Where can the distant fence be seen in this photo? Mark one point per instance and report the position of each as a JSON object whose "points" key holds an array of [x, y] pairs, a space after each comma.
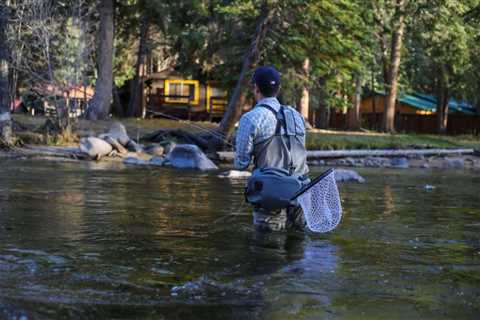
{"points": [[412, 123]]}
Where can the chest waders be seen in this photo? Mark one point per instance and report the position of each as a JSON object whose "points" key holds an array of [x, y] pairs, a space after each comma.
{"points": [[280, 172], [283, 150]]}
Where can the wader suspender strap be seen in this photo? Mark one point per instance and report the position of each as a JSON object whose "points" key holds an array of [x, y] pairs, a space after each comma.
{"points": [[278, 132]]}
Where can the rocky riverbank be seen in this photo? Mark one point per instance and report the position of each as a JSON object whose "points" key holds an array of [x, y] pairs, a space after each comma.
{"points": [[432, 162], [179, 148]]}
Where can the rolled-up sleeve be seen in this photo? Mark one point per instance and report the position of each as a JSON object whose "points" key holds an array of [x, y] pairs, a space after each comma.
{"points": [[244, 143]]}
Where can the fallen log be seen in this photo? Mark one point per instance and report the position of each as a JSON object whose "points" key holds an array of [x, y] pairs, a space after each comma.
{"points": [[385, 153], [319, 154]]}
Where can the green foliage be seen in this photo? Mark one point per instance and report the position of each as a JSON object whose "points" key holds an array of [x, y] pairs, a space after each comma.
{"points": [[207, 40], [441, 44]]}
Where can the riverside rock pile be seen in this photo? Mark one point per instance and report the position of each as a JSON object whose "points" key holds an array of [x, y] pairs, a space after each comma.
{"points": [[457, 162], [115, 142]]}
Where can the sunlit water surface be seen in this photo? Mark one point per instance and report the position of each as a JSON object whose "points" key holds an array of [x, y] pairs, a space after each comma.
{"points": [[95, 240]]}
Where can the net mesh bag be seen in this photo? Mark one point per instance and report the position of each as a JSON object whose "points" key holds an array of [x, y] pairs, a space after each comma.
{"points": [[321, 205]]}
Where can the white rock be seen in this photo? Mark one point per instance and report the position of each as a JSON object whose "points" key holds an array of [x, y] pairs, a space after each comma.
{"points": [[5, 116], [95, 147], [342, 175], [235, 174]]}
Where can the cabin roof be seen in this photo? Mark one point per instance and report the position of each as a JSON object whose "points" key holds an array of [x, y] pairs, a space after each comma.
{"points": [[426, 102]]}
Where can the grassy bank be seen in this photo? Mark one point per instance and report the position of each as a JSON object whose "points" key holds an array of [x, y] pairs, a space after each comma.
{"points": [[136, 128], [316, 139], [335, 140]]}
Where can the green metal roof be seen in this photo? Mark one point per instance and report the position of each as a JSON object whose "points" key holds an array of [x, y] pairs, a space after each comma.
{"points": [[453, 105], [417, 102], [428, 102]]}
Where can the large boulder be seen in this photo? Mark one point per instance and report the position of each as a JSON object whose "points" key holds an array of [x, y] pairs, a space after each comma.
{"points": [[342, 175], [118, 132], [95, 148], [189, 156]]}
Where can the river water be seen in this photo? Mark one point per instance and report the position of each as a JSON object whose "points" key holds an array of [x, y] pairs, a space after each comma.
{"points": [[94, 240]]}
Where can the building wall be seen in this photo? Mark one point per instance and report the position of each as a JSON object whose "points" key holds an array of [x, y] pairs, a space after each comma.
{"points": [[377, 105]]}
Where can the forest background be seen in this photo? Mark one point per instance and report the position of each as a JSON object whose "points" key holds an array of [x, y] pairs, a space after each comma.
{"points": [[329, 52]]}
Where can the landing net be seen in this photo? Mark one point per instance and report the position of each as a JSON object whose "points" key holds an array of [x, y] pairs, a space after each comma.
{"points": [[321, 205]]}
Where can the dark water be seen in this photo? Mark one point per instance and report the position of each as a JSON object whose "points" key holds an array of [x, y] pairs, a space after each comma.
{"points": [[94, 241]]}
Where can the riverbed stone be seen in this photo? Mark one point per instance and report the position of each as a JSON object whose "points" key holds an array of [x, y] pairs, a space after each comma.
{"points": [[316, 162], [157, 161], [475, 164], [376, 162], [399, 163], [135, 161], [343, 175], [350, 162], [119, 133], [454, 163], [132, 146], [95, 148], [114, 143], [189, 156], [155, 150], [167, 146]]}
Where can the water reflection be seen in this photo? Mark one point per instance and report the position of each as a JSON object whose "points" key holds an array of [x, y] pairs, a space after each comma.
{"points": [[388, 203], [96, 240]]}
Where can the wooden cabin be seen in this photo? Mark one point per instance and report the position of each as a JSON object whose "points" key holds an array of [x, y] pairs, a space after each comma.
{"points": [[167, 92], [416, 112], [413, 104], [406, 104], [44, 99]]}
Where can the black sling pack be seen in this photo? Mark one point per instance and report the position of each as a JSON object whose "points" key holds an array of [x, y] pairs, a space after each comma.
{"points": [[273, 188]]}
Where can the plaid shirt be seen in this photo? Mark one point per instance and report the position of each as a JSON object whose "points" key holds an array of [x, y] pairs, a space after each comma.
{"points": [[255, 126]]}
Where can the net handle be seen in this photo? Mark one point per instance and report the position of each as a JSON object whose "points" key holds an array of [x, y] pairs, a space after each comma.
{"points": [[311, 184]]}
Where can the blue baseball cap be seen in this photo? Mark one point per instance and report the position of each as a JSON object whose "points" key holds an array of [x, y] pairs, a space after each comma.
{"points": [[267, 79]]}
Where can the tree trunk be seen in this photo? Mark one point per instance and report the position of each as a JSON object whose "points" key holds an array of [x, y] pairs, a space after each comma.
{"points": [[395, 54], [5, 120], [135, 104], [234, 108], [118, 109], [392, 72], [100, 105], [323, 116], [382, 35], [353, 114], [303, 106], [442, 103]]}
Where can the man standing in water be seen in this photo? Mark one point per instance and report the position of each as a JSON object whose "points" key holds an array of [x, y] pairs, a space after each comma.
{"points": [[265, 139]]}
